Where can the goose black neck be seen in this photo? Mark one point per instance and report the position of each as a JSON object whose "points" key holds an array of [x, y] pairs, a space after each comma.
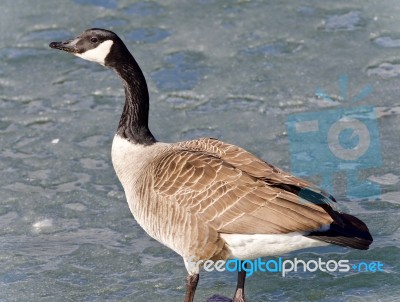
{"points": [[133, 124]]}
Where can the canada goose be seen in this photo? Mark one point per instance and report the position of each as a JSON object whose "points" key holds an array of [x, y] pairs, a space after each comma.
{"points": [[206, 199]]}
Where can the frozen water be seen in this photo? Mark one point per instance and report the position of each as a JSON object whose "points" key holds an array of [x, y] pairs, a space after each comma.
{"points": [[347, 21], [386, 41], [385, 70], [228, 69]]}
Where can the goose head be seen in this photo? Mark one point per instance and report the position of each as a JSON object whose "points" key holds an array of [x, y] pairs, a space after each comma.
{"points": [[97, 45], [106, 48]]}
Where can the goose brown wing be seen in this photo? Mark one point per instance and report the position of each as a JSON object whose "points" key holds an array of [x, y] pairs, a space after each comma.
{"points": [[256, 167], [227, 197]]}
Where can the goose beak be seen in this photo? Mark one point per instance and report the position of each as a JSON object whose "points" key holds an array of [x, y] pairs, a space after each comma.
{"points": [[68, 46]]}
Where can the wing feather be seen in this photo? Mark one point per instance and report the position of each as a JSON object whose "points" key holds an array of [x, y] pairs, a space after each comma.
{"points": [[233, 197]]}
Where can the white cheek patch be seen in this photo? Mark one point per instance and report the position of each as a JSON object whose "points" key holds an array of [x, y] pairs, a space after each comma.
{"points": [[97, 54]]}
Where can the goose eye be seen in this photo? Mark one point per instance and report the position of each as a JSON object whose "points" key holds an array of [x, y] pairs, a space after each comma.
{"points": [[94, 40]]}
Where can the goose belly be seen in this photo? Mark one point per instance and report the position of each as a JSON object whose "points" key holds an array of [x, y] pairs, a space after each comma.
{"points": [[130, 161], [252, 246], [166, 222]]}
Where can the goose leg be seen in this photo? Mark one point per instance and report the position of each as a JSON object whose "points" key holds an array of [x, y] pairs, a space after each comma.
{"points": [[239, 294], [191, 284]]}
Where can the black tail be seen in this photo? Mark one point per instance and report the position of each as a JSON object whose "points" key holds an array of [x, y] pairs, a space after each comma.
{"points": [[351, 232]]}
